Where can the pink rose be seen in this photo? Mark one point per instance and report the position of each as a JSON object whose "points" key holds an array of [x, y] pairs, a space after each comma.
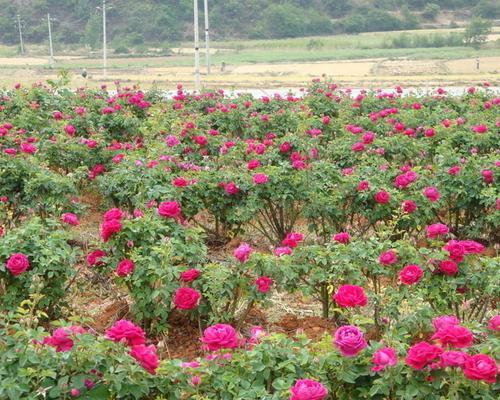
{"points": [[186, 298], [124, 268], [126, 331], [382, 197], [307, 389], [220, 336], [260, 179], [453, 359], [455, 249], [253, 164], [342, 237], [448, 267], [349, 340], [263, 284], [281, 251], [61, 338], [422, 354], [409, 206], [292, 239], [454, 335], [487, 175], [471, 247], [17, 264], [389, 257], [190, 275], [444, 321], [494, 323], [231, 188], [169, 209], [108, 228], [70, 130], [242, 252], [435, 230], [70, 219], [411, 274], [481, 368], [113, 213], [93, 259], [180, 182], [350, 296], [432, 193], [146, 356], [384, 358]]}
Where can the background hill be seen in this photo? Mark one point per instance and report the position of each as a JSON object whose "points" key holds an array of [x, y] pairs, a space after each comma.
{"points": [[134, 23]]}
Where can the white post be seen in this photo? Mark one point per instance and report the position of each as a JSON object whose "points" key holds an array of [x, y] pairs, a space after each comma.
{"points": [[51, 49], [104, 48], [20, 33], [207, 39], [196, 48]]}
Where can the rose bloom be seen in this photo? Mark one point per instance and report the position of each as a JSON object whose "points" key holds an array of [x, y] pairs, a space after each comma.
{"points": [[342, 237], [307, 389], [448, 267], [422, 354], [231, 188], [350, 296], [487, 175], [146, 356], [453, 359], [70, 219], [494, 323], [382, 197], [444, 321], [220, 336], [481, 368], [292, 239], [387, 258], [70, 130], [180, 182], [263, 284], [260, 179], [61, 338], [471, 247], [126, 331], [454, 335], [242, 252], [253, 164], [93, 259], [455, 170], [169, 209], [409, 206], [282, 251], [363, 185], [455, 250], [349, 340], [108, 228], [383, 358], [17, 264], [432, 193], [124, 268], [435, 230], [411, 274], [190, 275], [186, 298]]}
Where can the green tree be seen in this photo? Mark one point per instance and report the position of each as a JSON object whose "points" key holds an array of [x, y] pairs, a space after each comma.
{"points": [[477, 32]]}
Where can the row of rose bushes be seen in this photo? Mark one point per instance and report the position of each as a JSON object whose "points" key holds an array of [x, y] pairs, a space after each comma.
{"points": [[327, 157], [74, 362]]}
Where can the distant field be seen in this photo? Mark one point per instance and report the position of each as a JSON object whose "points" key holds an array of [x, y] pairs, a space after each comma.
{"points": [[364, 59]]}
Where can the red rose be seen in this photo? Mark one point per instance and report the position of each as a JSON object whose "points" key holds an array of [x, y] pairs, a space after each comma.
{"points": [[124, 268], [17, 264], [125, 330], [411, 274], [382, 197], [186, 298], [263, 284], [350, 296], [93, 258], [146, 356], [448, 267], [108, 228], [190, 275], [454, 335], [422, 354], [481, 368], [409, 206], [169, 209], [389, 257]]}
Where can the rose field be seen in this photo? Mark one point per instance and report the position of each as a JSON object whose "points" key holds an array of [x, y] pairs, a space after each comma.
{"points": [[318, 245]]}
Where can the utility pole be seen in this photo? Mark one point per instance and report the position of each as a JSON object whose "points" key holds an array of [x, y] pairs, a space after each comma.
{"points": [[207, 39], [196, 48], [20, 33], [51, 49], [104, 48]]}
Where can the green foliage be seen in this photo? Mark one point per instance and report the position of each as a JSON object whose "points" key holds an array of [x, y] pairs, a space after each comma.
{"points": [[477, 32]]}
